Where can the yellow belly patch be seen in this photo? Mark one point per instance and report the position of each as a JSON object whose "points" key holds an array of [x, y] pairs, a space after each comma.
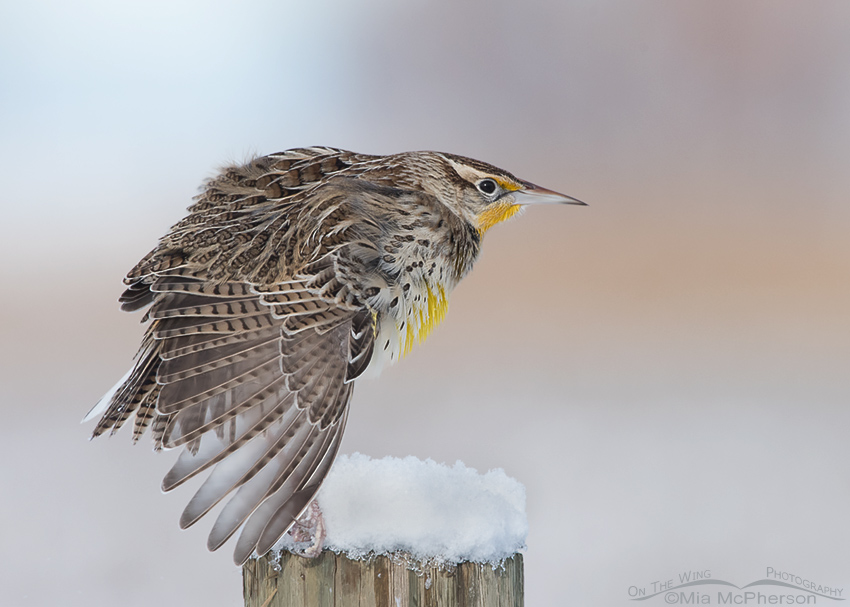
{"points": [[425, 317], [496, 213]]}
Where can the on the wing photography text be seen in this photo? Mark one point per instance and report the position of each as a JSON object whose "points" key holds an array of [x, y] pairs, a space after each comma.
{"points": [[698, 587]]}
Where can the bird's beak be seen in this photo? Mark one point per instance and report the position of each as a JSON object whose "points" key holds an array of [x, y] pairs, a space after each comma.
{"points": [[534, 194]]}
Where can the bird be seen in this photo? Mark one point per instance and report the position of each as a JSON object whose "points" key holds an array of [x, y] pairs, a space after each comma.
{"points": [[293, 275]]}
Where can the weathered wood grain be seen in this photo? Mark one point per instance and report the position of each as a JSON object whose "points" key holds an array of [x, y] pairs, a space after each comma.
{"points": [[334, 580]]}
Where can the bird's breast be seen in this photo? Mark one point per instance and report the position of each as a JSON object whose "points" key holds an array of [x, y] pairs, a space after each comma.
{"points": [[410, 312], [415, 270]]}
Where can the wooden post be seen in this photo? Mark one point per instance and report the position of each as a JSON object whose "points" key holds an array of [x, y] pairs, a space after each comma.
{"points": [[334, 580]]}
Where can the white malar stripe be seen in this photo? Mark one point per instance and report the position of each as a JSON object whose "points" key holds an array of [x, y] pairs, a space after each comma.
{"points": [[103, 403]]}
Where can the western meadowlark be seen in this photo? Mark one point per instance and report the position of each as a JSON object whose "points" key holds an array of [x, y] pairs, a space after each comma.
{"points": [[291, 276]]}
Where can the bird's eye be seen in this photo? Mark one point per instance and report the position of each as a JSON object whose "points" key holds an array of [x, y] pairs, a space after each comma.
{"points": [[487, 186]]}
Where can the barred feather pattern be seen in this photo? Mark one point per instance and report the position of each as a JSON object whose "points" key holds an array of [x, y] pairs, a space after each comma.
{"points": [[246, 397], [291, 276]]}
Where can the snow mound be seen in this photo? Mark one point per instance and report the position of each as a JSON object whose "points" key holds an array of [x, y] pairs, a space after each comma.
{"points": [[432, 511]]}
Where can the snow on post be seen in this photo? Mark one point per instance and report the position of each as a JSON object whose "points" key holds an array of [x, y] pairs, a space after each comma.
{"points": [[403, 532]]}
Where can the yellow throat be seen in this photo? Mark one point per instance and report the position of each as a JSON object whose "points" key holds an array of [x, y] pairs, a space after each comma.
{"points": [[496, 213]]}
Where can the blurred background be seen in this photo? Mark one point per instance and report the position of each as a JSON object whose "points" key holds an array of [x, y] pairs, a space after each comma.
{"points": [[665, 370]]}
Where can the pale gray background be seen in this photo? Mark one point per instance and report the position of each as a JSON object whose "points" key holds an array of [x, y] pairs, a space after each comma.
{"points": [[665, 370]]}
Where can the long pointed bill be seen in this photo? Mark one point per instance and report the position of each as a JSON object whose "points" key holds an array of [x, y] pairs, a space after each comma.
{"points": [[533, 194]]}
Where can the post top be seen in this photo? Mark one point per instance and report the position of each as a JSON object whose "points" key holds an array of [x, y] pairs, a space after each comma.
{"points": [[432, 511]]}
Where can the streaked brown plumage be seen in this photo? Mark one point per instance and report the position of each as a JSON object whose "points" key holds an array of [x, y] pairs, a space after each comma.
{"points": [[290, 276]]}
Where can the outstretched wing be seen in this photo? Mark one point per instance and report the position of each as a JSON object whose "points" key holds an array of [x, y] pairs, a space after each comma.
{"points": [[253, 382]]}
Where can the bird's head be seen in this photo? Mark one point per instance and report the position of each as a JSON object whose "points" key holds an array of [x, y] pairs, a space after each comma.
{"points": [[480, 193]]}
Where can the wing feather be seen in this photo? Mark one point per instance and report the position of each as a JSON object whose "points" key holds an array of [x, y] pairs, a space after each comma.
{"points": [[282, 443], [282, 508], [213, 449], [176, 327], [251, 379], [199, 305], [181, 395], [180, 284], [195, 363], [283, 467], [220, 411], [191, 344]]}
